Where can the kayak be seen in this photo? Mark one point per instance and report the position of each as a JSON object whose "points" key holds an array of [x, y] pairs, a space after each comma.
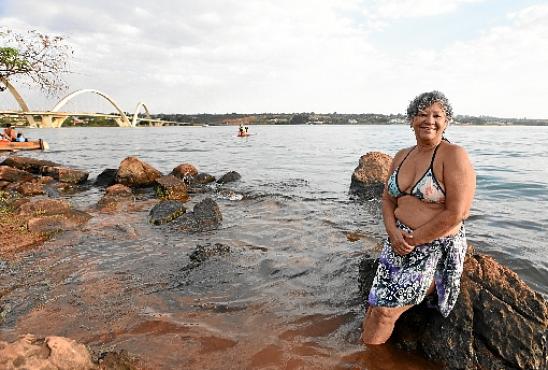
{"points": [[243, 135], [13, 146]]}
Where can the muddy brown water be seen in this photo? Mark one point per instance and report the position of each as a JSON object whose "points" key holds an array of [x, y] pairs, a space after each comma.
{"points": [[286, 294]]}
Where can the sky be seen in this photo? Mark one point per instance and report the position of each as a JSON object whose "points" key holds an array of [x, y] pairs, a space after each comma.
{"points": [[490, 57]]}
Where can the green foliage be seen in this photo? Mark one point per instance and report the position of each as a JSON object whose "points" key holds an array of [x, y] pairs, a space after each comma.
{"points": [[10, 59]]}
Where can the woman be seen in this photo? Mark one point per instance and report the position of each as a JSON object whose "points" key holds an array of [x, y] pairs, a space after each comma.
{"points": [[427, 196]]}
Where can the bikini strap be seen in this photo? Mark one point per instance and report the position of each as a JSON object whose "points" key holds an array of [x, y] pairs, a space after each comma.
{"points": [[433, 157], [407, 155]]}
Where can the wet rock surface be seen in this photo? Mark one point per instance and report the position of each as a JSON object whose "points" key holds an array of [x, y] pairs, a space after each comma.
{"points": [[498, 322], [166, 211], [202, 252], [114, 196], [68, 220], [205, 216]]}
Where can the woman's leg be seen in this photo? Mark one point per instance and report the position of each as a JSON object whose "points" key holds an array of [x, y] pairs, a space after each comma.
{"points": [[379, 322]]}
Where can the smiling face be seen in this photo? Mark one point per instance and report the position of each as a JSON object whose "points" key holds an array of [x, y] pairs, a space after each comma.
{"points": [[429, 124]]}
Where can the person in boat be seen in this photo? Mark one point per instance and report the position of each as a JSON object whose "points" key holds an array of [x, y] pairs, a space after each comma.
{"points": [[20, 138], [427, 197], [246, 128], [9, 133], [242, 130]]}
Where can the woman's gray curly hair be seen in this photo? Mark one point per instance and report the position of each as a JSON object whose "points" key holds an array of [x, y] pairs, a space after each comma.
{"points": [[425, 100]]}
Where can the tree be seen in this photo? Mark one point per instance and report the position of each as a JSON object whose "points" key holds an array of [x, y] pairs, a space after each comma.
{"points": [[35, 59]]}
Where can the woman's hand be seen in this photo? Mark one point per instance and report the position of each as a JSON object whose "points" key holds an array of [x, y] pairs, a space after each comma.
{"points": [[399, 241]]}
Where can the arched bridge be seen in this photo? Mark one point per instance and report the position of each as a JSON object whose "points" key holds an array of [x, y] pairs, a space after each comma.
{"points": [[55, 117]]}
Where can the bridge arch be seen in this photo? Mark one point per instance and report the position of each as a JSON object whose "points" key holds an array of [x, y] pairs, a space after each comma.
{"points": [[136, 114], [124, 122], [22, 104]]}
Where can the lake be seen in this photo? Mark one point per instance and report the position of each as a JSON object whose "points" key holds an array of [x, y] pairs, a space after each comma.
{"points": [[287, 295]]}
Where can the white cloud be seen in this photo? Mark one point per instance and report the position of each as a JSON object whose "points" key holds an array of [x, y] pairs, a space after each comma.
{"points": [[288, 56]]}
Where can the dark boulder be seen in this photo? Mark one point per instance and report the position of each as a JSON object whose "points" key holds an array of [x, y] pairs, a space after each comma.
{"points": [[498, 322], [106, 178], [166, 211], [230, 176], [368, 178], [205, 216], [201, 178]]}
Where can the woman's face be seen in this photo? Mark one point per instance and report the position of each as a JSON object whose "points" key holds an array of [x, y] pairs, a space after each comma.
{"points": [[430, 123]]}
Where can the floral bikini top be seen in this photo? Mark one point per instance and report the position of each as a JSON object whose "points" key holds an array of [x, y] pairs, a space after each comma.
{"points": [[427, 188]]}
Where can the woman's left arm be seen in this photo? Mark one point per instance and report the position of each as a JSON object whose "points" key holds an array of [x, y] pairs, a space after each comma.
{"points": [[459, 179]]}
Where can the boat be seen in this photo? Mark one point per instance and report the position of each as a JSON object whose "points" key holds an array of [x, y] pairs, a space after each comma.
{"points": [[240, 134], [14, 146]]}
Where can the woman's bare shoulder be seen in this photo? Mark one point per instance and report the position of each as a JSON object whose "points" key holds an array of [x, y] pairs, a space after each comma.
{"points": [[402, 153], [453, 153]]}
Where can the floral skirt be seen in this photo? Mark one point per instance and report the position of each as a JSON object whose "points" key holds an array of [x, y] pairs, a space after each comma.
{"points": [[404, 280]]}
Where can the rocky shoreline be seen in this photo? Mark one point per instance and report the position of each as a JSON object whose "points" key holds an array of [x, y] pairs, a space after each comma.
{"points": [[34, 208], [499, 322]]}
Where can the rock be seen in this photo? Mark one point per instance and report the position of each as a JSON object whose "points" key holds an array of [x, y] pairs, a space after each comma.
{"points": [[230, 176], [113, 195], [11, 174], [117, 361], [171, 187], [28, 164], [498, 322], [65, 174], [203, 252], [106, 178], [368, 178], [69, 220], [44, 207], [184, 170], [135, 173], [201, 178], [119, 191], [27, 189], [166, 211], [205, 216], [58, 353]]}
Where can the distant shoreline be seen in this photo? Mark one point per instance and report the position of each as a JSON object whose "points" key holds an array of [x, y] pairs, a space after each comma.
{"points": [[236, 119]]}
